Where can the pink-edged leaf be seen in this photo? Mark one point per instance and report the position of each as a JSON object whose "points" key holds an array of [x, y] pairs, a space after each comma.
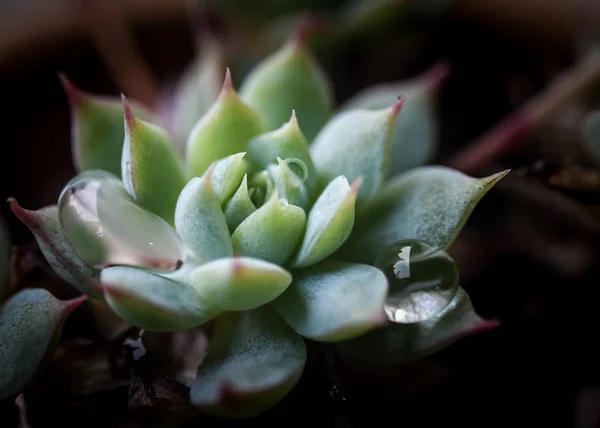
{"points": [[396, 343], [59, 253]]}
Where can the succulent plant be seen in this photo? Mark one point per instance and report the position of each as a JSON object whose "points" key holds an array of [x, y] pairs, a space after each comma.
{"points": [[268, 225]]}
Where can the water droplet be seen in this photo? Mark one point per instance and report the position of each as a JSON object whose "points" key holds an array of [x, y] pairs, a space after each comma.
{"points": [[106, 227], [298, 167], [423, 280]]}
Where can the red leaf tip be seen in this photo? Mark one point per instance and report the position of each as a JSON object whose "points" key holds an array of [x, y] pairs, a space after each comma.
{"points": [[437, 74], [20, 212], [303, 30], [73, 93], [70, 305], [127, 112], [398, 106], [355, 186], [227, 82]]}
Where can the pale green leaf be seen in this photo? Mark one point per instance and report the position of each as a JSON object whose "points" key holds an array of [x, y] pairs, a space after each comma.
{"points": [[329, 223], [254, 360], [430, 203], [289, 185], [153, 302], [239, 283], [227, 176], [239, 207], [334, 300]]}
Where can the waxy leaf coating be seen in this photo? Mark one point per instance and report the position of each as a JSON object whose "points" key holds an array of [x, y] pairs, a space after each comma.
{"points": [[57, 250], [227, 175], [200, 221], [97, 130], [271, 233], [334, 300], [396, 343], [30, 327], [254, 360], [224, 130], [239, 283], [151, 169], [240, 206], [153, 302], [356, 143], [430, 203], [290, 79], [329, 223]]}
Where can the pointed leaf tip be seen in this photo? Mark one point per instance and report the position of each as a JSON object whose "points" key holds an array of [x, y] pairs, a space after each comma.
{"points": [[228, 81], [127, 112], [398, 106], [70, 305], [73, 93], [355, 186]]}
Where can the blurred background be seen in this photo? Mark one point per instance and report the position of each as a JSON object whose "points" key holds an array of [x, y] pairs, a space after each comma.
{"points": [[528, 256]]}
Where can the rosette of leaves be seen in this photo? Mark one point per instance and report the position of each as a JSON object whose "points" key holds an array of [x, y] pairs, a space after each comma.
{"points": [[31, 323], [263, 227]]}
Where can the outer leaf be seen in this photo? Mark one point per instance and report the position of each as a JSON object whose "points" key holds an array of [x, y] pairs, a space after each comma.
{"points": [[329, 222], [97, 131], [334, 300], [397, 343], [289, 185], [239, 283], [414, 139], [591, 137], [151, 170], [239, 207], [198, 88], [271, 233], [57, 250], [5, 260], [290, 79], [224, 130], [429, 203], [227, 176], [154, 302], [200, 222], [357, 143], [255, 359], [30, 327], [285, 142]]}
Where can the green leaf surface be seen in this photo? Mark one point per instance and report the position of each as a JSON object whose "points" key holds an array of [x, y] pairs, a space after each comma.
{"points": [[356, 144], [97, 131], [57, 250], [334, 300], [151, 169], [30, 327], [290, 79], [254, 360], [591, 135], [286, 142], [289, 186], [239, 283], [263, 186], [200, 222], [396, 343], [271, 233], [239, 207], [153, 302], [329, 223], [430, 203], [224, 130], [227, 176]]}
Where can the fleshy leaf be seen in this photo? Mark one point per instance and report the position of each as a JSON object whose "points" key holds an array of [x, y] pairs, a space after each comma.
{"points": [[430, 203], [254, 360], [227, 176], [97, 131], [591, 137], [106, 227], [239, 207], [30, 327], [271, 233], [396, 343], [285, 142], [224, 130], [153, 302], [5, 260], [414, 139], [263, 186], [56, 248], [200, 222], [357, 143], [198, 88], [151, 169], [334, 300], [239, 283], [289, 185], [329, 223], [290, 79]]}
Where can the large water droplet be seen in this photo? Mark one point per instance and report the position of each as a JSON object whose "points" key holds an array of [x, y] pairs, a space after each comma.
{"points": [[106, 227], [423, 280]]}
